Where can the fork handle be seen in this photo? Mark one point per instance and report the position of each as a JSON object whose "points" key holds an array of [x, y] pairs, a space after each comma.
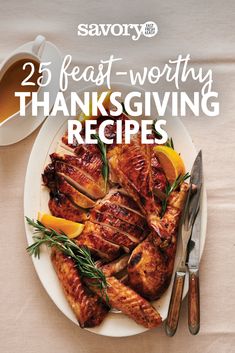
{"points": [[194, 302], [175, 303]]}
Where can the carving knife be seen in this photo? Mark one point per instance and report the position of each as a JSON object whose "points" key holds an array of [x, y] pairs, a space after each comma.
{"points": [[193, 268]]}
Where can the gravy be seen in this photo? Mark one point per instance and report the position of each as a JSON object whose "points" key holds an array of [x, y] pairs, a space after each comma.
{"points": [[11, 83]]}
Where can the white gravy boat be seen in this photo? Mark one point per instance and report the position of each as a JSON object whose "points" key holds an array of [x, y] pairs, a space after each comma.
{"points": [[9, 125]]}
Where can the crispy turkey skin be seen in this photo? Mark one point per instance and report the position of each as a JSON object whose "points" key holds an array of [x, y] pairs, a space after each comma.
{"points": [[130, 303], [90, 311], [151, 263], [131, 167]]}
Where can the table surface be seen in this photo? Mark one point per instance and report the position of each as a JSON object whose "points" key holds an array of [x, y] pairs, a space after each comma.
{"points": [[29, 321]]}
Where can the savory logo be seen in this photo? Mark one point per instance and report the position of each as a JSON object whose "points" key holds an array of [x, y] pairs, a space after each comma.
{"points": [[134, 31]]}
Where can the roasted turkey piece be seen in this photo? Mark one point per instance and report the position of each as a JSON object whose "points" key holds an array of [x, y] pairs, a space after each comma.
{"points": [[151, 263], [115, 223], [120, 197], [115, 267], [93, 240], [61, 206], [131, 168], [130, 303], [73, 194], [123, 213], [86, 159], [64, 198], [57, 183], [79, 176], [107, 218], [79, 179], [158, 176], [90, 311], [112, 235]]}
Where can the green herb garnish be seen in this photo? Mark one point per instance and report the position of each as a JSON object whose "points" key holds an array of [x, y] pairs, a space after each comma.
{"points": [[103, 150], [172, 187], [154, 131], [80, 255], [124, 109], [169, 142]]}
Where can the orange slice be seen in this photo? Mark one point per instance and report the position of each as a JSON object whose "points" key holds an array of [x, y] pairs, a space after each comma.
{"points": [[71, 229], [106, 104], [170, 161]]}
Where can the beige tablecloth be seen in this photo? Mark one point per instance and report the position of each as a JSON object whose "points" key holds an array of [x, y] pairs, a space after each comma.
{"points": [[29, 321]]}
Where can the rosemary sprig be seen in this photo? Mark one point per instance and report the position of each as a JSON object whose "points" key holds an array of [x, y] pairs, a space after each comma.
{"points": [[155, 132], [123, 108], [103, 150], [81, 255], [169, 142], [172, 187]]}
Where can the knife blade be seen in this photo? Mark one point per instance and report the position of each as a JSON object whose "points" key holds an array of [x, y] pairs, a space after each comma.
{"points": [[185, 231], [194, 287], [194, 251]]}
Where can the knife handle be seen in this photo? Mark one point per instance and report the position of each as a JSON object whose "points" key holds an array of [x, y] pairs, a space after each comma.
{"points": [[175, 304], [194, 302]]}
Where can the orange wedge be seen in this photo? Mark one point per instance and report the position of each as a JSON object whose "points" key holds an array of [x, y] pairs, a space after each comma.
{"points": [[71, 229], [170, 161], [106, 104]]}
